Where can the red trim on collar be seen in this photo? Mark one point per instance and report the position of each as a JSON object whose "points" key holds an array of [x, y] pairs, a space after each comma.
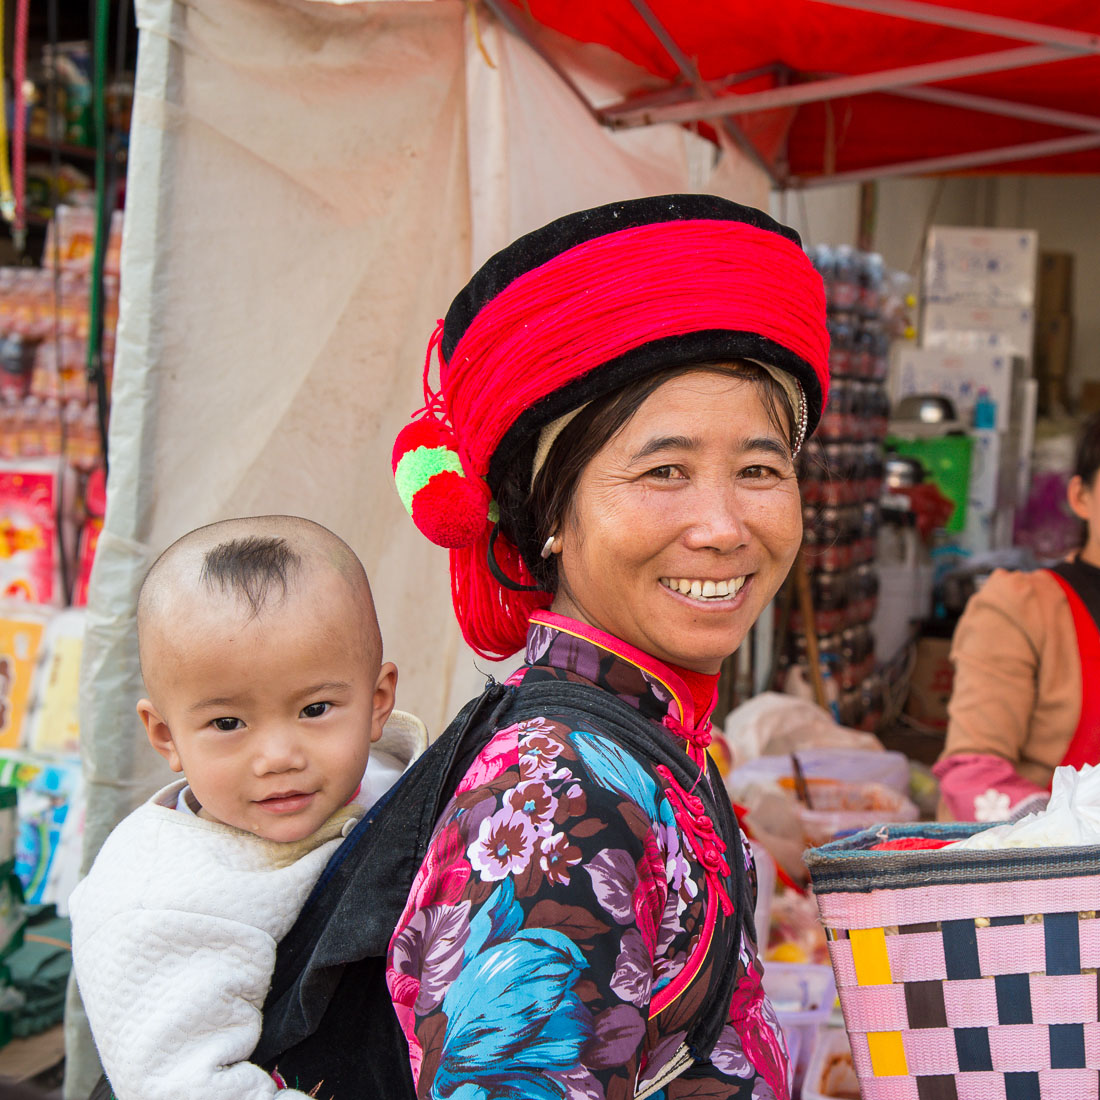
{"points": [[683, 696]]}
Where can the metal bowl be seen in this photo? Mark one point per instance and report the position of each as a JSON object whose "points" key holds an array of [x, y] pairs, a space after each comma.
{"points": [[928, 408]]}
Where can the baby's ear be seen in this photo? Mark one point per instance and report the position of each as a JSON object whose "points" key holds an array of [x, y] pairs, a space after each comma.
{"points": [[160, 736], [385, 695]]}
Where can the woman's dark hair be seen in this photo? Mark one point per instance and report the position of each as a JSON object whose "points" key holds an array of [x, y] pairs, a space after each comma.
{"points": [[529, 514], [1087, 461]]}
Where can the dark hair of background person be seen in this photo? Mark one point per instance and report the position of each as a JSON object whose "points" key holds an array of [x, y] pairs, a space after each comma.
{"points": [[544, 505], [1087, 461]]}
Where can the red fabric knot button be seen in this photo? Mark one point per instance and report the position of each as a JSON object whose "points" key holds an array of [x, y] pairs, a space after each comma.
{"points": [[712, 858], [701, 737], [704, 824]]}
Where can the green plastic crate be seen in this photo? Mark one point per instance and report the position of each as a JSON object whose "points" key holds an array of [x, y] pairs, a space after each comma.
{"points": [[946, 462]]}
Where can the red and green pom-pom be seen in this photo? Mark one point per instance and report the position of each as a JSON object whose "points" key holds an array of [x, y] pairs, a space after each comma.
{"points": [[448, 507]]}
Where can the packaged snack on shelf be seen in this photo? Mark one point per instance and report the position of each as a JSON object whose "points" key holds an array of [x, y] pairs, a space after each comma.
{"points": [[29, 551], [46, 791], [22, 627], [53, 722]]}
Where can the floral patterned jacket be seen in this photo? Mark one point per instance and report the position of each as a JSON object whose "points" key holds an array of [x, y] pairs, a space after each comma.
{"points": [[558, 928]]}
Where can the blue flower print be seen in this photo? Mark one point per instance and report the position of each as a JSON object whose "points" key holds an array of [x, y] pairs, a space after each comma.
{"points": [[512, 1013], [613, 769]]}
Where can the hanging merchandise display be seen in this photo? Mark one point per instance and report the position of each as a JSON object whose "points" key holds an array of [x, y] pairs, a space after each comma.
{"points": [[57, 336], [841, 474]]}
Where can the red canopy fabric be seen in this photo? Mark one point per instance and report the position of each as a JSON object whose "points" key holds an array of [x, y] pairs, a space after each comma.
{"points": [[794, 41]]}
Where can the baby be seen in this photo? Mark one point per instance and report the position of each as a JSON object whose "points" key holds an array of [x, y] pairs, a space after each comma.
{"points": [[262, 659]]}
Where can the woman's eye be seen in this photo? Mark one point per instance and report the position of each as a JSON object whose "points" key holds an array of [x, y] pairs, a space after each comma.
{"points": [[665, 473], [315, 710], [227, 725], [760, 473]]}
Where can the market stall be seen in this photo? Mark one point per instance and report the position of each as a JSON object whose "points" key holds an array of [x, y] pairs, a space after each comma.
{"points": [[297, 217]]}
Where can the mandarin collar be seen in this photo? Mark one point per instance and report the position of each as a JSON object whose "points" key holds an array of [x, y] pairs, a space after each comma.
{"points": [[577, 651]]}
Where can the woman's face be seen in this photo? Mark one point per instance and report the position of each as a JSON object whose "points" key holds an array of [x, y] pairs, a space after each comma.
{"points": [[696, 492]]}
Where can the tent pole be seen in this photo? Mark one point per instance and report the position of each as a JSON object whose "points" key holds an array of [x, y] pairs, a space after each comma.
{"points": [[959, 162], [691, 73]]}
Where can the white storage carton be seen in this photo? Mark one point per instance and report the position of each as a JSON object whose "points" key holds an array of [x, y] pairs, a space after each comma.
{"points": [[1004, 329], [981, 267], [961, 376]]}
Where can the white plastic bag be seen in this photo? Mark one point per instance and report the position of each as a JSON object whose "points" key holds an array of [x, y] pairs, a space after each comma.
{"points": [[1071, 817], [772, 724]]}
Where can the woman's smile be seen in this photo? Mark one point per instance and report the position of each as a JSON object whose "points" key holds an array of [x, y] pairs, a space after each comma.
{"points": [[706, 591]]}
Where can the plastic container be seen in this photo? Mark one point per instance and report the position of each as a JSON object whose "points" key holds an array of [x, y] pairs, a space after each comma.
{"points": [[765, 891], [802, 995], [843, 808], [829, 1074]]}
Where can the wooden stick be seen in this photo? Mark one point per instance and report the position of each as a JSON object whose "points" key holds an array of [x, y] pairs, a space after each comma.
{"points": [[809, 625]]}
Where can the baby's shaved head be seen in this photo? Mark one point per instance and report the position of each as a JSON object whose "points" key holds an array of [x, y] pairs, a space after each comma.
{"points": [[255, 563]]}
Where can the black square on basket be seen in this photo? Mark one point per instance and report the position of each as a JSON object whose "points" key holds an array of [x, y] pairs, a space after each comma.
{"points": [[924, 1004], [972, 1048], [1022, 1086], [960, 949], [939, 1086], [1067, 1046], [1013, 998], [1062, 940]]}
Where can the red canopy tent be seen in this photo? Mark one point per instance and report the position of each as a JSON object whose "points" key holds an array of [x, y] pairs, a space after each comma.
{"points": [[832, 91]]}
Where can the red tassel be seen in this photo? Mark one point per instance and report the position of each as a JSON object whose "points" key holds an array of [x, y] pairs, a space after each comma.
{"points": [[493, 618]]}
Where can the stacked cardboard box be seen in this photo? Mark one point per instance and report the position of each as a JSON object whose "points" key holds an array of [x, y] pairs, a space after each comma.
{"points": [[977, 333], [1054, 330]]}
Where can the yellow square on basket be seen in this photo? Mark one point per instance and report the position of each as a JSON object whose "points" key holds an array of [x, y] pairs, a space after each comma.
{"points": [[869, 956], [887, 1054]]}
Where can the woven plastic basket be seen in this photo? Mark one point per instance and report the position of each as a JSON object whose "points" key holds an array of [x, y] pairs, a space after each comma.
{"points": [[964, 975]]}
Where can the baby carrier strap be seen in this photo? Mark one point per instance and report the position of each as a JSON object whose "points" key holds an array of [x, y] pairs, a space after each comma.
{"points": [[328, 1015]]}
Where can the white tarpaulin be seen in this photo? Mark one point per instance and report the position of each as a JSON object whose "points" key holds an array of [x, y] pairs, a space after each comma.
{"points": [[309, 185]]}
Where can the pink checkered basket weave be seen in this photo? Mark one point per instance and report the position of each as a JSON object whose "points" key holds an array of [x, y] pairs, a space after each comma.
{"points": [[964, 975]]}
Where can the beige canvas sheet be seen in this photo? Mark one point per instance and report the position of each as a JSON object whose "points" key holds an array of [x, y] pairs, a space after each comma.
{"points": [[309, 184]]}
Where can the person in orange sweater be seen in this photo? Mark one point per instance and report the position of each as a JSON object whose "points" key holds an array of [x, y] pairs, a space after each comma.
{"points": [[1027, 672]]}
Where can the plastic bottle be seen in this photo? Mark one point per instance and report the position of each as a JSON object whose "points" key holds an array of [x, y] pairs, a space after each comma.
{"points": [[11, 413], [49, 419], [985, 411], [72, 441], [30, 429]]}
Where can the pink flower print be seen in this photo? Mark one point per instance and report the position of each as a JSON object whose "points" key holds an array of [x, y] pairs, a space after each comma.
{"points": [[494, 759], [538, 753], [534, 801], [556, 856], [444, 873], [504, 845], [403, 991], [760, 1033], [650, 894]]}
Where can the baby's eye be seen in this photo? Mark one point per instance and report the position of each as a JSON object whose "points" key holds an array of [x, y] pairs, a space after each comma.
{"points": [[315, 710], [227, 725]]}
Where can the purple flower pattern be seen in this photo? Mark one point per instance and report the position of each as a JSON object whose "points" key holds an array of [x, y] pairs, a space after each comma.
{"points": [[576, 851]]}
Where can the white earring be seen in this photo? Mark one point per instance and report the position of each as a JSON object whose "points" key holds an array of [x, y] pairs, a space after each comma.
{"points": [[548, 547]]}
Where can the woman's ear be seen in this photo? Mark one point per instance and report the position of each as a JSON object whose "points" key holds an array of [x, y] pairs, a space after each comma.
{"points": [[160, 736], [1079, 496]]}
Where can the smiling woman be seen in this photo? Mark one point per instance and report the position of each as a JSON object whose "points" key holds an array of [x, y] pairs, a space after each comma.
{"points": [[609, 458]]}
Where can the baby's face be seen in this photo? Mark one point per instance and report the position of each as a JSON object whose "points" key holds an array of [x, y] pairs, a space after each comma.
{"points": [[270, 718]]}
